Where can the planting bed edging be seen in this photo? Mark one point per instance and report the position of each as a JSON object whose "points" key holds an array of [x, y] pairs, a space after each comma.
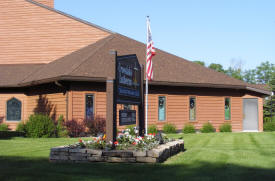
{"points": [[79, 155]]}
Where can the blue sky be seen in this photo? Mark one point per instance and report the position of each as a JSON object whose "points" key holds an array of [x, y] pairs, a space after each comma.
{"points": [[229, 32]]}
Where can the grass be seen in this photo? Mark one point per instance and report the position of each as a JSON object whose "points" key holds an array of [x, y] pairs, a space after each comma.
{"points": [[213, 156]]}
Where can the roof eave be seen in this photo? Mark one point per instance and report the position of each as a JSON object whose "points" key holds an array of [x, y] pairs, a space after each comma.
{"points": [[63, 78], [259, 91], [188, 84]]}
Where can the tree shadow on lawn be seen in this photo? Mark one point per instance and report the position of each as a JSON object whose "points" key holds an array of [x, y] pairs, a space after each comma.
{"points": [[19, 168]]}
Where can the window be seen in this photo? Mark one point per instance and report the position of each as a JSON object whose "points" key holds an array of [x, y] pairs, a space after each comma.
{"points": [[227, 109], [192, 108], [14, 107], [162, 108], [89, 106]]}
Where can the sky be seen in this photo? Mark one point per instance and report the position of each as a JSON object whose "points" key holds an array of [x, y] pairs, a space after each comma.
{"points": [[229, 32]]}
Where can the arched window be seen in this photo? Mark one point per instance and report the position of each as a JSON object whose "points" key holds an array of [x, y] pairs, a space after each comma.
{"points": [[14, 107]]}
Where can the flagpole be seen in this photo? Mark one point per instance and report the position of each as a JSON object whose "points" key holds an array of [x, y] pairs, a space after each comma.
{"points": [[146, 84]]}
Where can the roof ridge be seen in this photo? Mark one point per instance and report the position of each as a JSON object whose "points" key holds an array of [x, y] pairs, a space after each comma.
{"points": [[70, 16]]}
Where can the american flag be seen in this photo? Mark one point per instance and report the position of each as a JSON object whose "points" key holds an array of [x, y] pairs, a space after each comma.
{"points": [[150, 52]]}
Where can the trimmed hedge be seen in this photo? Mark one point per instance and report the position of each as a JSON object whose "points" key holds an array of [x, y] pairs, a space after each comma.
{"points": [[189, 128], [4, 127], [207, 128], [226, 127], [169, 128], [10, 134], [153, 129], [269, 126]]}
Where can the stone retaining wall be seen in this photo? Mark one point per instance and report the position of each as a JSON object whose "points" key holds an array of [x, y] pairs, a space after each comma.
{"points": [[156, 155]]}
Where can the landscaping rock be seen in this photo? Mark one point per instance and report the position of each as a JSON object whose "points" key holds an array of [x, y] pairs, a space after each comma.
{"points": [[118, 153], [146, 160], [78, 155], [139, 153]]}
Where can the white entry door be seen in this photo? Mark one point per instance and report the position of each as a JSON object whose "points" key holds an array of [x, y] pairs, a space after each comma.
{"points": [[250, 115]]}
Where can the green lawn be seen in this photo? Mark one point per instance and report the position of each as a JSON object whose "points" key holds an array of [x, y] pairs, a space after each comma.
{"points": [[216, 156]]}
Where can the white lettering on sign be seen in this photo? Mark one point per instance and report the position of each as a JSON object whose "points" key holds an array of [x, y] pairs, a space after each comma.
{"points": [[124, 80], [125, 70]]}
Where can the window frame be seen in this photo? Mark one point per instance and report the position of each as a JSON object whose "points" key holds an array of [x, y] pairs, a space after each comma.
{"points": [[21, 110], [165, 107], [230, 114], [195, 119], [85, 103]]}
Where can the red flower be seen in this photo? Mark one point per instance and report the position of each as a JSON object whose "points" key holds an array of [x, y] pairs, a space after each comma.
{"points": [[80, 140], [116, 142], [150, 134], [134, 143], [154, 134]]}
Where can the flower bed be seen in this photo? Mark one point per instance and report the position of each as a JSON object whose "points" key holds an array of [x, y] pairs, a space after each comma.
{"points": [[79, 155], [127, 148]]}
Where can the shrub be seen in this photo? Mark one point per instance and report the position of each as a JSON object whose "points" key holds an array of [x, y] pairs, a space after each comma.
{"points": [[4, 127], [21, 127], [61, 130], [153, 129], [189, 128], [269, 126], [169, 128], [207, 128], [75, 128], [226, 127], [95, 126], [40, 125]]}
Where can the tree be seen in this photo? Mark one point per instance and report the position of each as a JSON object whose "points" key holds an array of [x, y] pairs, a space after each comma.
{"points": [[269, 106], [199, 62], [235, 73], [264, 72], [217, 67], [249, 76]]}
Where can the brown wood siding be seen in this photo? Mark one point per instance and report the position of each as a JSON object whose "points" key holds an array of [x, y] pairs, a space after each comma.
{"points": [[52, 104], [26, 28], [49, 3], [78, 104]]}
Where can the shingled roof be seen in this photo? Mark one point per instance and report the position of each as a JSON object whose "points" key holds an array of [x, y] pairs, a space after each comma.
{"points": [[93, 63]]}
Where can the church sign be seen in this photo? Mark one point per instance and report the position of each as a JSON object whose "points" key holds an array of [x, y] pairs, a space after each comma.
{"points": [[128, 80]]}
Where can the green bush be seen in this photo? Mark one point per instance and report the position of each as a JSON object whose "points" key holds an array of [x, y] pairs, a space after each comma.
{"points": [[21, 127], [40, 125], [61, 130], [132, 129], [169, 128], [4, 127], [226, 127], [189, 128], [207, 128], [269, 126], [153, 129]]}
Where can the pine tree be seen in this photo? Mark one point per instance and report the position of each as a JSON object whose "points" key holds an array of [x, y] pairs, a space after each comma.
{"points": [[269, 106]]}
